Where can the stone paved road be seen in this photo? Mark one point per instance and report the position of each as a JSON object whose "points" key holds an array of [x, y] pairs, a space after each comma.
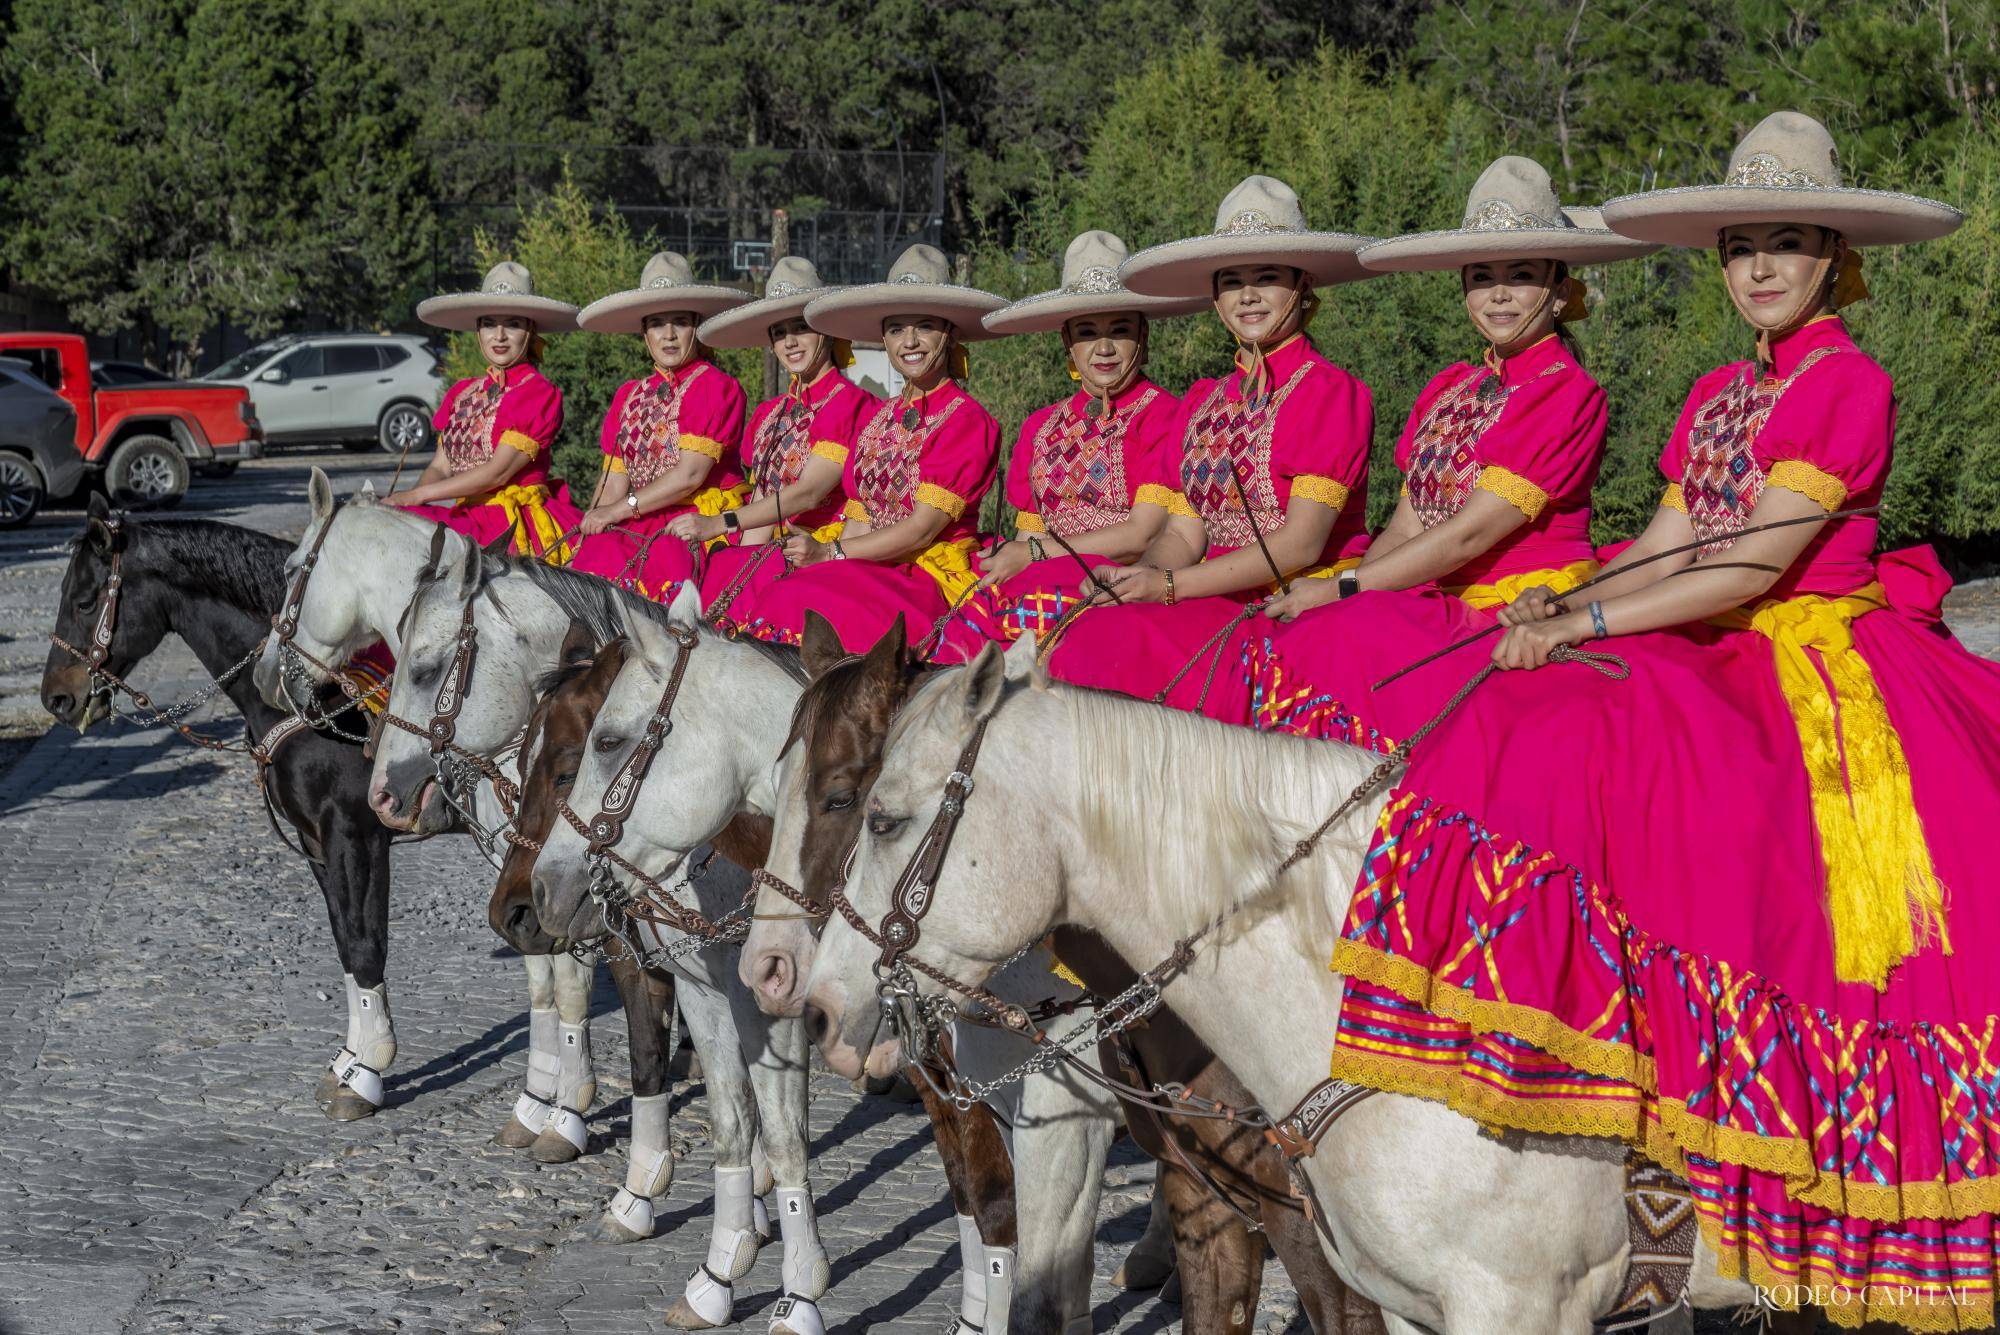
{"points": [[171, 994]]}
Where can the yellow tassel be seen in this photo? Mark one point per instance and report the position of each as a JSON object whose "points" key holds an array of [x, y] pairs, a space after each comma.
{"points": [[1504, 591], [1574, 295], [961, 365], [1848, 285], [842, 352], [1883, 895]]}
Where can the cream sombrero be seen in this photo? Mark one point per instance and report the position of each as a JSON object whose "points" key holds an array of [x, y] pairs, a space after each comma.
{"points": [[919, 283], [507, 289], [666, 284], [1260, 222], [1090, 286], [1785, 170], [1511, 214], [794, 282]]}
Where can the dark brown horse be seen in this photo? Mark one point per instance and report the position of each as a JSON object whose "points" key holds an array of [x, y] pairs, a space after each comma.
{"points": [[1238, 1181]]}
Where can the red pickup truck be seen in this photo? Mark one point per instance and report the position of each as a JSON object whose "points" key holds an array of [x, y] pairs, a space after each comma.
{"points": [[142, 437]]}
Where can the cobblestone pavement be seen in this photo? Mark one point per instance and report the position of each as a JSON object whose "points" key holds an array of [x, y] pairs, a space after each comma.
{"points": [[172, 994]]}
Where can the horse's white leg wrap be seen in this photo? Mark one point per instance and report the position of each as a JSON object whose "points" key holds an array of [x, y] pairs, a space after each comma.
{"points": [[651, 1169], [532, 1109], [371, 1041], [796, 1316], [806, 1271], [999, 1286], [575, 1084], [732, 1247], [572, 980], [971, 1275]]}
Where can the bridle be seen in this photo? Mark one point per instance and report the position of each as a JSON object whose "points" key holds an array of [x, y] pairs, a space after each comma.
{"points": [[291, 675], [656, 904]]}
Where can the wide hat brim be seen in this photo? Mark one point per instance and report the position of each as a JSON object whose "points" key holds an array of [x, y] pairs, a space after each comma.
{"points": [[1187, 268], [1048, 311], [461, 310], [626, 312], [1424, 252], [749, 326], [856, 313], [1693, 215]]}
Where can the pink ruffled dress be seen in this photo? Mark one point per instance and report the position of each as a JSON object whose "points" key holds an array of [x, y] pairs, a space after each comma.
{"points": [[1532, 435], [1629, 908], [1309, 437], [825, 420], [698, 407], [1070, 474], [945, 461], [519, 409]]}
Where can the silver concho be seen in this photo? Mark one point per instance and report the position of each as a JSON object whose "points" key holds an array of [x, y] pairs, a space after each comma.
{"points": [[1497, 215], [502, 286], [909, 278], [912, 415], [1095, 408], [1098, 278], [782, 288], [1765, 170], [1253, 222]]}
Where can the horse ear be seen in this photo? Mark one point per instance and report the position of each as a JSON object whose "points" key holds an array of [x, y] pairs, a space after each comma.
{"points": [[319, 491], [462, 554], [366, 496], [97, 530], [578, 645], [820, 647], [985, 684], [499, 545], [685, 609], [1023, 662], [884, 660]]}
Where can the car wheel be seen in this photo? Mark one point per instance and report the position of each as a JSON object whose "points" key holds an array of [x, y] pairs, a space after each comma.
{"points": [[146, 472], [403, 428], [227, 468], [21, 490]]}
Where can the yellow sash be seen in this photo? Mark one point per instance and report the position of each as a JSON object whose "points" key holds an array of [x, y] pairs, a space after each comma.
{"points": [[527, 510], [950, 564], [1503, 591], [1326, 572], [1882, 893], [712, 501]]}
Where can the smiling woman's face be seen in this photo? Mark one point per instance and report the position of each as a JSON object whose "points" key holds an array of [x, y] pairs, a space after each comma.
{"points": [[914, 343], [1259, 303], [1106, 349], [1509, 300], [1773, 270], [798, 346]]}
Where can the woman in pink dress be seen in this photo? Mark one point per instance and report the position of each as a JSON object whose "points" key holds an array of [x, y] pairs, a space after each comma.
{"points": [[670, 440], [1079, 469], [799, 441], [1271, 468], [490, 475], [1498, 461], [916, 475], [1733, 909]]}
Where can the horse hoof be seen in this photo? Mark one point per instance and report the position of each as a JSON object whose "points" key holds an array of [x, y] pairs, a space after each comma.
{"points": [[1170, 1292], [347, 1106], [609, 1230], [514, 1136], [683, 1317], [550, 1147], [1142, 1271]]}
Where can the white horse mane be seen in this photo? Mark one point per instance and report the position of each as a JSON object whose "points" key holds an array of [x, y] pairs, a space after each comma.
{"points": [[1194, 814]]}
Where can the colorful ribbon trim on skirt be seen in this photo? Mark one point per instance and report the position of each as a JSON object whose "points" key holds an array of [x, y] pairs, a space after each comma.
{"points": [[535, 530], [1881, 891], [1502, 591]]}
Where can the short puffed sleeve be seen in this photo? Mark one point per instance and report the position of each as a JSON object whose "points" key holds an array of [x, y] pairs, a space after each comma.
{"points": [[956, 467], [711, 415], [1548, 442], [1160, 478], [1674, 458], [442, 417], [1830, 433], [529, 416], [1152, 448], [1020, 472], [1320, 440], [1442, 381], [607, 436], [840, 420]]}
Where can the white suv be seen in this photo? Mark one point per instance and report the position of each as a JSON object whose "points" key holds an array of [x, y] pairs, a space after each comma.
{"points": [[359, 390]]}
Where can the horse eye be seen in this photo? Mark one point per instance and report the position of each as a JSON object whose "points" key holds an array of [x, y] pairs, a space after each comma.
{"points": [[883, 825], [566, 780], [841, 800], [607, 744]]}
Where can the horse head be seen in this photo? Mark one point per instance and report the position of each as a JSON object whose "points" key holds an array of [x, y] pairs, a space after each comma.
{"points": [[114, 624]]}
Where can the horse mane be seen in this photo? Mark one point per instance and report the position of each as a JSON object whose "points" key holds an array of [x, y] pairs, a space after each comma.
{"points": [[1194, 814], [237, 565], [611, 613]]}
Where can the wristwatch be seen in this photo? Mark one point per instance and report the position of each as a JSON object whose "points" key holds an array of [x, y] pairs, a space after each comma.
{"points": [[731, 520], [632, 501], [839, 552], [1349, 583], [1034, 548]]}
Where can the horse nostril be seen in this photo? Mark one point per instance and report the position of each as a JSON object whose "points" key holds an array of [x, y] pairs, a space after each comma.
{"points": [[60, 704], [383, 802], [819, 1026], [774, 977]]}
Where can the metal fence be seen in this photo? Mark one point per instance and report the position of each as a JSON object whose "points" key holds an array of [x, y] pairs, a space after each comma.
{"points": [[850, 211]]}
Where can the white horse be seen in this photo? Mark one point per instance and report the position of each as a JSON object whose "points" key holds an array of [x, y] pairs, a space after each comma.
{"points": [[1145, 824], [368, 564], [755, 1067], [730, 718]]}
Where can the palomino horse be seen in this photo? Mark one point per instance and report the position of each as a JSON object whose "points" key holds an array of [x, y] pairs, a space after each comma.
{"points": [[216, 586], [518, 612], [1146, 826], [713, 712], [1221, 1183], [359, 564]]}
